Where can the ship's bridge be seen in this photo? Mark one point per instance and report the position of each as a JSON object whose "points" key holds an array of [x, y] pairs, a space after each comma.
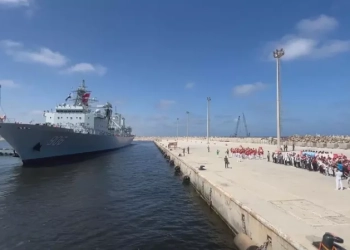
{"points": [[70, 114], [64, 108]]}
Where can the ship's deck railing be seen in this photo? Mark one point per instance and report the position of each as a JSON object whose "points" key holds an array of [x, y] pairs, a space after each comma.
{"points": [[79, 128]]}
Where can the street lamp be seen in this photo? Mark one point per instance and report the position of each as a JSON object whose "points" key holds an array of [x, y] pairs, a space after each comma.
{"points": [[277, 54], [208, 118], [177, 129], [187, 122]]}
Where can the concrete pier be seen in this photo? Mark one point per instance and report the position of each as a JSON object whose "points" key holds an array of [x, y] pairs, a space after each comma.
{"points": [[256, 140], [288, 206]]}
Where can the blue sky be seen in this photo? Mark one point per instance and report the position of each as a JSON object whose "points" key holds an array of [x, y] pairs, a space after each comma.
{"points": [[157, 59]]}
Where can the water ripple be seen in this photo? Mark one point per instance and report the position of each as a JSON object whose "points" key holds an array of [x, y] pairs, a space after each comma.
{"points": [[129, 199]]}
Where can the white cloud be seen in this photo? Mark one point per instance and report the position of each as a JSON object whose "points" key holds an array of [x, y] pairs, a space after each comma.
{"points": [[296, 47], [29, 6], [319, 25], [87, 68], [43, 55], [189, 85], [9, 44], [47, 57], [165, 104], [8, 84], [332, 47], [247, 89], [310, 40], [15, 3]]}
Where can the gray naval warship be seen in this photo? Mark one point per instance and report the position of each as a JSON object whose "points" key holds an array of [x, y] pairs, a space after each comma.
{"points": [[70, 130]]}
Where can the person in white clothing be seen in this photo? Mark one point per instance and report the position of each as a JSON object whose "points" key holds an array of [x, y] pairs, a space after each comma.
{"points": [[239, 157], [338, 182]]}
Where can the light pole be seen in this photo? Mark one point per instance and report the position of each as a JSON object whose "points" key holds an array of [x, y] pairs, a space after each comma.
{"points": [[177, 129], [208, 118], [187, 122], [277, 54]]}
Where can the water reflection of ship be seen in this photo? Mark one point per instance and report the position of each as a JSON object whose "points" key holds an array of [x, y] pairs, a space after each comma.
{"points": [[67, 174], [50, 196]]}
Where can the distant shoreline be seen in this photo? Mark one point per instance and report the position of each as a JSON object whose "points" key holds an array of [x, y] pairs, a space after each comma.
{"points": [[310, 140]]}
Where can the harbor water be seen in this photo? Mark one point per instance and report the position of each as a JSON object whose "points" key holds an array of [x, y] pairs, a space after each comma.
{"points": [[128, 199]]}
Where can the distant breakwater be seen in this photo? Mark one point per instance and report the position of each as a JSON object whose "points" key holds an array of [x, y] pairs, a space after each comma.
{"points": [[319, 141]]}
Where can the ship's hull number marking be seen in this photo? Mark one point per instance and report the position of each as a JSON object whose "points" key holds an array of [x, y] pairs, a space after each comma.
{"points": [[56, 140]]}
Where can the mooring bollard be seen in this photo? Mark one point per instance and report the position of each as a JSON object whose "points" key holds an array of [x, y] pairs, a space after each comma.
{"points": [[329, 241], [186, 179], [177, 169]]}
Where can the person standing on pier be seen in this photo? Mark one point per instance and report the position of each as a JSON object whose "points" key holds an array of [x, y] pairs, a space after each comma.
{"points": [[208, 149], [217, 152], [184, 151], [226, 161], [338, 182], [340, 166], [188, 150], [293, 146], [268, 156]]}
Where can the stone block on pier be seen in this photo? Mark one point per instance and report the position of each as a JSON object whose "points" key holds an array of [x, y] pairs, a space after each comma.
{"points": [[332, 145], [264, 141], [344, 145], [311, 144]]}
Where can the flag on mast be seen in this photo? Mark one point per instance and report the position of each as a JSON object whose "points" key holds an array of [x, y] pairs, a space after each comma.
{"points": [[85, 98], [68, 97]]}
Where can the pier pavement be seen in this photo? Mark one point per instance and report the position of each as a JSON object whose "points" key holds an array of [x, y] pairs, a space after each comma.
{"points": [[301, 204]]}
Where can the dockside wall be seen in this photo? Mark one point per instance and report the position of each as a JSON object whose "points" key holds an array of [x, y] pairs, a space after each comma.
{"points": [[239, 218]]}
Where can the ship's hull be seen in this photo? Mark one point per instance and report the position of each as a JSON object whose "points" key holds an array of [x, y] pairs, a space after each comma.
{"points": [[38, 144]]}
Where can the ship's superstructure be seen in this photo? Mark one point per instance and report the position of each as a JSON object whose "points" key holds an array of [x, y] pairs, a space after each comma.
{"points": [[81, 117], [69, 129]]}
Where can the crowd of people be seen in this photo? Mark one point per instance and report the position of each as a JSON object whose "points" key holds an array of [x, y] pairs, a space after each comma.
{"points": [[324, 162], [246, 153], [327, 163]]}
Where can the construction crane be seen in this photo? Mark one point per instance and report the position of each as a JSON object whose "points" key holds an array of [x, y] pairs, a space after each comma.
{"points": [[245, 125], [237, 126]]}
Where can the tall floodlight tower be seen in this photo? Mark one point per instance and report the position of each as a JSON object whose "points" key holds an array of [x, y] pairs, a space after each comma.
{"points": [[277, 54], [188, 113], [208, 118], [177, 129]]}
